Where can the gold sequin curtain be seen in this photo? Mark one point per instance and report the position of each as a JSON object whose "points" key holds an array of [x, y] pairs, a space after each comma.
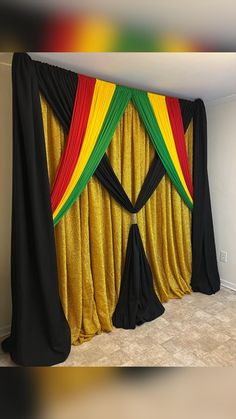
{"points": [[91, 238]]}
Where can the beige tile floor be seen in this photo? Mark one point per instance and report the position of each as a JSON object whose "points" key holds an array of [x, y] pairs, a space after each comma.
{"points": [[198, 330]]}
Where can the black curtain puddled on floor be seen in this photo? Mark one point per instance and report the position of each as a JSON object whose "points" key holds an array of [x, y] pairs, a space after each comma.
{"points": [[19, 394], [138, 302], [40, 333], [205, 275]]}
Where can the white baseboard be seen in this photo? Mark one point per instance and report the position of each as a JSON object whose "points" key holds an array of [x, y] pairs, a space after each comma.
{"points": [[5, 330], [228, 284]]}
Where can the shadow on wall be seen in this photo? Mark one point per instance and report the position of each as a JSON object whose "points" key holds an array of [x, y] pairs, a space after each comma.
{"points": [[5, 190]]}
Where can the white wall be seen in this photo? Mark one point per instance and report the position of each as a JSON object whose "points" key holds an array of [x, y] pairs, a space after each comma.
{"points": [[221, 116], [5, 195]]}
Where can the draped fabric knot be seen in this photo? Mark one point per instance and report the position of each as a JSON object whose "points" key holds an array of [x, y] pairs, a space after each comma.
{"points": [[134, 218]]}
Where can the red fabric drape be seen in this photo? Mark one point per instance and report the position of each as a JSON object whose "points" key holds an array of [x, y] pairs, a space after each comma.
{"points": [[82, 105], [176, 122]]}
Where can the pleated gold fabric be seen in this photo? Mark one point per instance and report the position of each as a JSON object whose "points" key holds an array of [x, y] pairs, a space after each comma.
{"points": [[91, 238]]}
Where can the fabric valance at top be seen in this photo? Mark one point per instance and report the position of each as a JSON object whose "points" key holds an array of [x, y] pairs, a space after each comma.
{"points": [[98, 107]]}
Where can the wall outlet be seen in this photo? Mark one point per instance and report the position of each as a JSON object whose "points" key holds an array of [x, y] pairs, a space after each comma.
{"points": [[223, 256]]}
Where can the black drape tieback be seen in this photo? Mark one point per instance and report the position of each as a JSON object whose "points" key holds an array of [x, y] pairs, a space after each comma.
{"points": [[134, 218], [137, 302]]}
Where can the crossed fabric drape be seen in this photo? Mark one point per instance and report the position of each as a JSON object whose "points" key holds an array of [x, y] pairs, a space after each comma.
{"points": [[98, 107], [34, 274], [107, 105]]}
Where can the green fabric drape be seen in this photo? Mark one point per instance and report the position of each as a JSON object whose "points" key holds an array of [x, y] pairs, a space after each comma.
{"points": [[142, 103]]}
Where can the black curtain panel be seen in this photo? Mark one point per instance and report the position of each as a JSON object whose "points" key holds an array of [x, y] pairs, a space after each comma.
{"points": [[40, 333], [205, 275]]}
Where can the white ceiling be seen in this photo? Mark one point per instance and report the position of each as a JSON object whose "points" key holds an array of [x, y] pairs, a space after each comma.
{"points": [[210, 76], [188, 75]]}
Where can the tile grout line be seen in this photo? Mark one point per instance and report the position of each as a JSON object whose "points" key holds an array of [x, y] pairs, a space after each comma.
{"points": [[6, 64]]}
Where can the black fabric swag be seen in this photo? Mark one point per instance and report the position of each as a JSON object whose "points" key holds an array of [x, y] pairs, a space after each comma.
{"points": [[40, 334]]}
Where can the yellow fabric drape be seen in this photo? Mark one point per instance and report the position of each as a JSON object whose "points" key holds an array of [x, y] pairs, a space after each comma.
{"points": [[91, 238]]}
